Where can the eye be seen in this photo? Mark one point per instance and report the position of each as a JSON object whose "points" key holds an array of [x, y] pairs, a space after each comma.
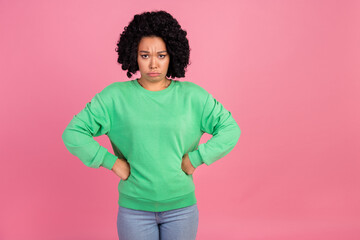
{"points": [[162, 56], [144, 55]]}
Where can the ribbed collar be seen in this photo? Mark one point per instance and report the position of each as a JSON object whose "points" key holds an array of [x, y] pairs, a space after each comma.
{"points": [[161, 92]]}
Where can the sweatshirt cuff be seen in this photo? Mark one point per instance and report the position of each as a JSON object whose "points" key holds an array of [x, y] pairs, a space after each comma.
{"points": [[109, 160], [195, 158]]}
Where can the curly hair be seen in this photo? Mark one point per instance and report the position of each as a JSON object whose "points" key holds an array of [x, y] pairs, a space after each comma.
{"points": [[160, 24]]}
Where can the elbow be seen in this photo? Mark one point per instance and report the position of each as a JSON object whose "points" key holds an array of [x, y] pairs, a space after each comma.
{"points": [[67, 136], [238, 131], [63, 135]]}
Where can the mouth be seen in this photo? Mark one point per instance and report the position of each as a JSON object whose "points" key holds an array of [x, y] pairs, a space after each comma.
{"points": [[153, 74]]}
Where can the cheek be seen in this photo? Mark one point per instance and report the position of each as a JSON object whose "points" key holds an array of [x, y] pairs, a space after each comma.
{"points": [[141, 65], [166, 63]]}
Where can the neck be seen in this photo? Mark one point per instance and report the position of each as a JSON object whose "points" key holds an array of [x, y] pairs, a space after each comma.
{"points": [[154, 85]]}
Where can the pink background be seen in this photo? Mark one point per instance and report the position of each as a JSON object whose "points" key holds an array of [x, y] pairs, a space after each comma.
{"points": [[289, 71]]}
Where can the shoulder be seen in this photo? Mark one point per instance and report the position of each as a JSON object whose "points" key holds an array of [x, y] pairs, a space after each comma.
{"points": [[115, 88], [111, 92], [194, 90]]}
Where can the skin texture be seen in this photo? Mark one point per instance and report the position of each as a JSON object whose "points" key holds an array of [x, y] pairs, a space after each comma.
{"points": [[186, 165], [121, 168], [152, 57]]}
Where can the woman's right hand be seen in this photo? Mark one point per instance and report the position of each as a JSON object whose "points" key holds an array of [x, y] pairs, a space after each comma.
{"points": [[121, 168]]}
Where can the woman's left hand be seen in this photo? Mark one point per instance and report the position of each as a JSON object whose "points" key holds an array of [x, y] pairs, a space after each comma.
{"points": [[186, 165]]}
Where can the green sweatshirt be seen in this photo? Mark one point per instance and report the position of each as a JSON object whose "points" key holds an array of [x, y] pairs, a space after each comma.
{"points": [[152, 130]]}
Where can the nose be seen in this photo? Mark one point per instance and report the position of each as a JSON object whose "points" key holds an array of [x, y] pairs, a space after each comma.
{"points": [[153, 63]]}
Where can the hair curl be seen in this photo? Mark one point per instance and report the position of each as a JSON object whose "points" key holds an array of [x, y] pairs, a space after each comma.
{"points": [[160, 24]]}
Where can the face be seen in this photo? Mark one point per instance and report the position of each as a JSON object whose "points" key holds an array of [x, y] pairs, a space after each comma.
{"points": [[153, 58]]}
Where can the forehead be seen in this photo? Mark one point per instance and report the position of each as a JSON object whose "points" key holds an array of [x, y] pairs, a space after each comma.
{"points": [[152, 43]]}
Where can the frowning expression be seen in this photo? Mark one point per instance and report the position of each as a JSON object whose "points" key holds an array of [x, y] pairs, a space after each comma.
{"points": [[153, 58]]}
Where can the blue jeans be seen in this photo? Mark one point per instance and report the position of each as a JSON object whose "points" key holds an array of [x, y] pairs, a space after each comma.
{"points": [[177, 224]]}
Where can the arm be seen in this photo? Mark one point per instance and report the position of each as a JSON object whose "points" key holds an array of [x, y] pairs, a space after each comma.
{"points": [[92, 121], [217, 121]]}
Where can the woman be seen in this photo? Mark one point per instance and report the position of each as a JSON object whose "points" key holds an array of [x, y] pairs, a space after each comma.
{"points": [[154, 124]]}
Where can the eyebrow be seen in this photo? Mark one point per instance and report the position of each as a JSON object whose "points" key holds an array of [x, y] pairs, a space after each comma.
{"points": [[149, 52]]}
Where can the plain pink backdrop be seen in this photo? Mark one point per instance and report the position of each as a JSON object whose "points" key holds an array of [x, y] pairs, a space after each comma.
{"points": [[289, 71]]}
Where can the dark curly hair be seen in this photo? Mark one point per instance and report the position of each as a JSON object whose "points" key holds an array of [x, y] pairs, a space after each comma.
{"points": [[160, 24]]}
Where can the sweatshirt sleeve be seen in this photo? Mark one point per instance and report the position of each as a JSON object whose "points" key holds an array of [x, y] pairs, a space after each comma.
{"points": [[217, 121], [92, 121]]}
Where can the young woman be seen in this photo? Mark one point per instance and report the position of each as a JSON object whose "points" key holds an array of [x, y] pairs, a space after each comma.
{"points": [[154, 124]]}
